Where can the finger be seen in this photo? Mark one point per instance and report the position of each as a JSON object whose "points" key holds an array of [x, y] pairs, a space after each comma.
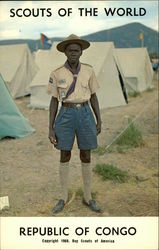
{"points": [[53, 140]]}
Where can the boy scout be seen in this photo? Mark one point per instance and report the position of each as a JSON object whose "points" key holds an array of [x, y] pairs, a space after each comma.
{"points": [[74, 84]]}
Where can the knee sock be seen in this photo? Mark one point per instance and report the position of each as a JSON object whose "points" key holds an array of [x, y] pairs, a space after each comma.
{"points": [[64, 176], [86, 175]]}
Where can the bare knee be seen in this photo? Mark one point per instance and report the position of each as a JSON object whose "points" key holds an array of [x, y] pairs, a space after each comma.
{"points": [[85, 156], [65, 156]]}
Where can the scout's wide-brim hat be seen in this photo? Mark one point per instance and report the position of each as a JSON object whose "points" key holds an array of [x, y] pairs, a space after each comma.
{"points": [[72, 39]]}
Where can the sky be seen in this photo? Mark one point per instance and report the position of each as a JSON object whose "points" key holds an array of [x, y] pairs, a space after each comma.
{"points": [[56, 25]]}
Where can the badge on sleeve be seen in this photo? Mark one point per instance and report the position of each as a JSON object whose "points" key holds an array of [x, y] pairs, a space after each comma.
{"points": [[51, 80]]}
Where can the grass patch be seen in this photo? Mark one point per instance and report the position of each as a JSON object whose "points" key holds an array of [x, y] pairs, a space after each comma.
{"points": [[131, 137], [134, 94], [79, 193], [101, 150], [120, 150], [111, 172], [150, 89], [70, 193]]}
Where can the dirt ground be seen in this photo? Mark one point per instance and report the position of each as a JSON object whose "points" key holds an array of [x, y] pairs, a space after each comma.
{"points": [[29, 166]]}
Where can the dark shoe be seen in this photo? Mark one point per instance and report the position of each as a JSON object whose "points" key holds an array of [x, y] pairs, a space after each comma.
{"points": [[93, 205], [59, 206]]}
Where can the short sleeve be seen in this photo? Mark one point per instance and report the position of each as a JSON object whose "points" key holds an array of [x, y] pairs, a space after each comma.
{"points": [[93, 83], [52, 86]]}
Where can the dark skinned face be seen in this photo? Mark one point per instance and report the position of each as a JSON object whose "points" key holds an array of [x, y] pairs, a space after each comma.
{"points": [[73, 53]]}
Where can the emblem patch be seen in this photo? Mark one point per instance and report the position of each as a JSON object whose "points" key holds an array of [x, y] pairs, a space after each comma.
{"points": [[62, 81], [51, 80]]}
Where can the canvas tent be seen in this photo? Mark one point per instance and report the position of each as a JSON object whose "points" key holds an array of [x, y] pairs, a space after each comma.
{"points": [[101, 56], [107, 68], [12, 122], [137, 68], [39, 98], [17, 68]]}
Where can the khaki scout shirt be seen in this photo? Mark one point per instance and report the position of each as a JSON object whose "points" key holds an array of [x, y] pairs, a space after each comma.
{"points": [[61, 79]]}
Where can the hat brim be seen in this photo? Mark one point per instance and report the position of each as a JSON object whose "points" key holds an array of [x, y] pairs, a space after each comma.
{"points": [[62, 45]]}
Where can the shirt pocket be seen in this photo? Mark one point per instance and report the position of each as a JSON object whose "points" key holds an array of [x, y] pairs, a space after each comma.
{"points": [[85, 85], [62, 90], [85, 91]]}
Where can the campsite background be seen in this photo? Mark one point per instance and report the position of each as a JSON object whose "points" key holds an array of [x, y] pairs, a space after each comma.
{"points": [[29, 165]]}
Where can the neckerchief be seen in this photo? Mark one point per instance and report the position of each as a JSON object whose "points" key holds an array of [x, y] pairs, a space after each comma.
{"points": [[73, 84]]}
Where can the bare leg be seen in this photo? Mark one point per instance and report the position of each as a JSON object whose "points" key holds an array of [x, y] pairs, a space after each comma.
{"points": [[65, 156]]}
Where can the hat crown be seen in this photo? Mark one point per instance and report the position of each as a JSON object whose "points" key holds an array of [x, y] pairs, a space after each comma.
{"points": [[72, 37]]}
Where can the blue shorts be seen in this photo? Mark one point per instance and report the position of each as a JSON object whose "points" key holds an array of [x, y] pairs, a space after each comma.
{"points": [[79, 122]]}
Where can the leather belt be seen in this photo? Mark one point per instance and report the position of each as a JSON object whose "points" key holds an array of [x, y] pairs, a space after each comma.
{"points": [[74, 105]]}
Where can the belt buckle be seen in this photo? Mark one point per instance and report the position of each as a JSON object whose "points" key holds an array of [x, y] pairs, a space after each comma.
{"points": [[78, 105]]}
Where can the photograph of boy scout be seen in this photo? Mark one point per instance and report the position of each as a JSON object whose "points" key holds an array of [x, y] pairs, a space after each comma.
{"points": [[74, 84]]}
